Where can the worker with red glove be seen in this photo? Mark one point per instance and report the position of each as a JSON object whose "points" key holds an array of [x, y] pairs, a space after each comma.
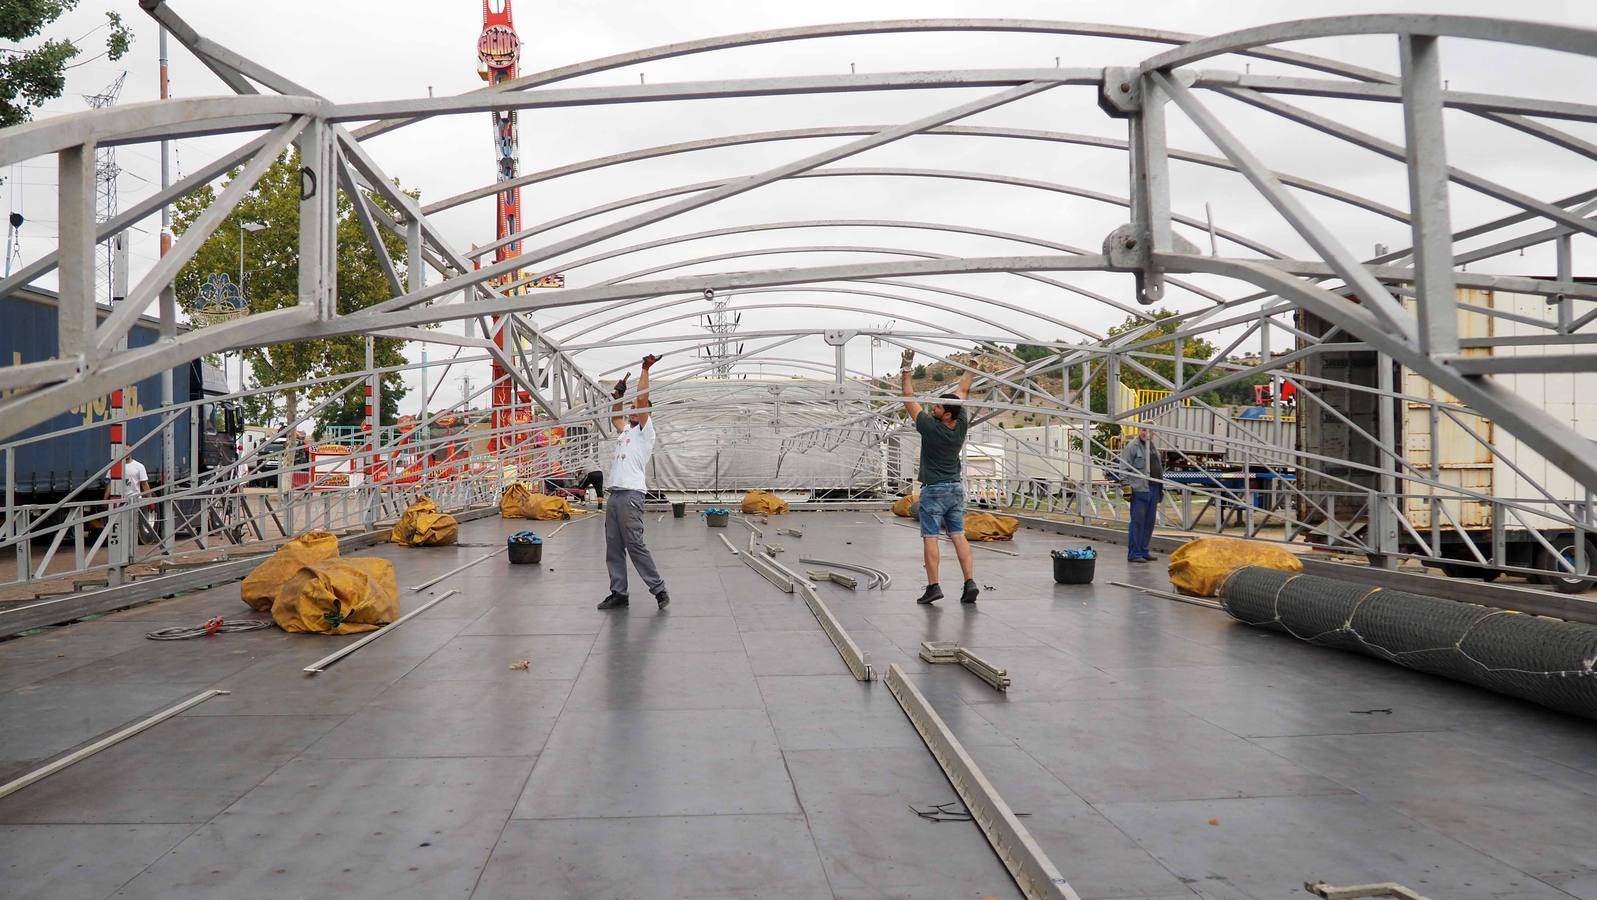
{"points": [[623, 515]]}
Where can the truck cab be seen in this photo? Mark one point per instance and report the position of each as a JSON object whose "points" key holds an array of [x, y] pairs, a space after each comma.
{"points": [[220, 422]]}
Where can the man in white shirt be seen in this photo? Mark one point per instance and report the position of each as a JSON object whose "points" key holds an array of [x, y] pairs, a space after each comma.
{"points": [[623, 515], [135, 480], [135, 484]]}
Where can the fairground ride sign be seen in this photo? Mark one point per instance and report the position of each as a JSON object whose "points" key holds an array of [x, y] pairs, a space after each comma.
{"points": [[498, 47]]}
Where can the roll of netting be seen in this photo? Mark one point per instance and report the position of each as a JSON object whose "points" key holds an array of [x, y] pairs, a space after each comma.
{"points": [[1319, 611], [1249, 595], [1418, 631], [1549, 661], [1545, 661]]}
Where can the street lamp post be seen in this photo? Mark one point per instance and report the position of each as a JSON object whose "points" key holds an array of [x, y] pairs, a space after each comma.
{"points": [[252, 228]]}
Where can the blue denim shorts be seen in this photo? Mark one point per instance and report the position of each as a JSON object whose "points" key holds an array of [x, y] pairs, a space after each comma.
{"points": [[942, 508]]}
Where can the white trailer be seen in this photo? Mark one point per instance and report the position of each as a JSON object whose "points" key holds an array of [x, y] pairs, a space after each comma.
{"points": [[1522, 513]]}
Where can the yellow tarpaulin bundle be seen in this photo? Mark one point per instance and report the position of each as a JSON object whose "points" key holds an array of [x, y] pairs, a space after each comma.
{"points": [[988, 527], [547, 508], [519, 502], [260, 586], [1199, 568], [901, 506], [763, 503], [338, 596], [513, 502], [423, 525]]}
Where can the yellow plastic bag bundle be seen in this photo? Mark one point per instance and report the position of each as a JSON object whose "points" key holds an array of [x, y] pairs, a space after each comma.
{"points": [[423, 525], [903, 506], [260, 586], [513, 502], [988, 527], [1199, 568], [338, 596], [763, 503]]}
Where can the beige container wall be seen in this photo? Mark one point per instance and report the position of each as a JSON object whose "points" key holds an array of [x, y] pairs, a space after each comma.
{"points": [[1568, 397], [1041, 451], [1462, 461], [1469, 463]]}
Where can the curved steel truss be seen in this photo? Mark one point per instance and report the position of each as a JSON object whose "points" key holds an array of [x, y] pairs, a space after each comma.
{"points": [[1459, 352]]}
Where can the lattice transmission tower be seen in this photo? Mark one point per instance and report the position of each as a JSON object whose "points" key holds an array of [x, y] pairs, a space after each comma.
{"points": [[106, 175], [722, 323]]}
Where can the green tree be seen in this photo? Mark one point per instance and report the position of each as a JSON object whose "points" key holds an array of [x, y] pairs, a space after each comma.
{"points": [[1029, 353], [30, 77], [920, 372], [1195, 350], [271, 281]]}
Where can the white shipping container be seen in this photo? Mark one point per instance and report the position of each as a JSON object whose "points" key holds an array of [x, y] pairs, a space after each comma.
{"points": [[1042, 452], [1467, 460]]}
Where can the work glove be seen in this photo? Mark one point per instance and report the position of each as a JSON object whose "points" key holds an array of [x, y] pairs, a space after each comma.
{"points": [[649, 361], [621, 386], [907, 361]]}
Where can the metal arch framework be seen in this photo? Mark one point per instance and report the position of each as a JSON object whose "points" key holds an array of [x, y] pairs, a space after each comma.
{"points": [[1403, 304]]}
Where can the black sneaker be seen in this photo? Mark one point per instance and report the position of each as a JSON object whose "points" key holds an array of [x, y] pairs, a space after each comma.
{"points": [[969, 595], [934, 593], [663, 599], [614, 601]]}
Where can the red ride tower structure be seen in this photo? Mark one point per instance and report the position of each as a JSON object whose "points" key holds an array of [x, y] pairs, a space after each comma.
{"points": [[498, 56]]}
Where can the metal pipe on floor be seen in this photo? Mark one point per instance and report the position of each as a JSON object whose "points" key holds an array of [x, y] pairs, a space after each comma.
{"points": [[78, 756], [1034, 873], [878, 577], [321, 664], [1169, 595], [458, 569]]}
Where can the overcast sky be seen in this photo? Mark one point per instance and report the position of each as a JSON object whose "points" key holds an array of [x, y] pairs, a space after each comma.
{"points": [[404, 48]]}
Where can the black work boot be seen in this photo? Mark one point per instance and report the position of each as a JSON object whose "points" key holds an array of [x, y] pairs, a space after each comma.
{"points": [[663, 599], [969, 595], [614, 601], [934, 593]]}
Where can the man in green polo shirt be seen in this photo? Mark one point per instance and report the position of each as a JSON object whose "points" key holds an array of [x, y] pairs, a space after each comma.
{"points": [[942, 499]]}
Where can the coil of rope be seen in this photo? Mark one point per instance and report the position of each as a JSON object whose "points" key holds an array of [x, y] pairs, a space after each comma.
{"points": [[216, 625]]}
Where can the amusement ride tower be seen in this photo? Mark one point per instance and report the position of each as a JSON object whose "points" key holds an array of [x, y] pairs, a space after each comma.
{"points": [[498, 53]]}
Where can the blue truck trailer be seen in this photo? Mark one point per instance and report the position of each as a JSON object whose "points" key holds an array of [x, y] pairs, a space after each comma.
{"points": [[48, 470]]}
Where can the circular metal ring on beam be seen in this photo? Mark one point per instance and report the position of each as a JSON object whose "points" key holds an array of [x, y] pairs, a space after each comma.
{"points": [[654, 323], [737, 140], [890, 223], [985, 177], [1030, 276], [818, 290], [888, 26]]}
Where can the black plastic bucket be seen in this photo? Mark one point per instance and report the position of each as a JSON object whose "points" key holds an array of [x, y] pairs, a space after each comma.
{"points": [[1073, 571], [679, 510], [524, 553]]}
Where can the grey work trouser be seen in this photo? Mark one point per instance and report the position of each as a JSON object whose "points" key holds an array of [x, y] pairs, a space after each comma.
{"points": [[623, 536]]}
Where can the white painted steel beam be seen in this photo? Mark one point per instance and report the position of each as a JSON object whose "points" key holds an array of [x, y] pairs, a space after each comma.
{"points": [[1034, 873]]}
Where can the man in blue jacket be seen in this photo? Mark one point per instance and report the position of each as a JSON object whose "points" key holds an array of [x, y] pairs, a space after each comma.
{"points": [[1142, 470]]}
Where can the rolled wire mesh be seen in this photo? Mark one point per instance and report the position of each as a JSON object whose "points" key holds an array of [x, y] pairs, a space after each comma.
{"points": [[1546, 661]]}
